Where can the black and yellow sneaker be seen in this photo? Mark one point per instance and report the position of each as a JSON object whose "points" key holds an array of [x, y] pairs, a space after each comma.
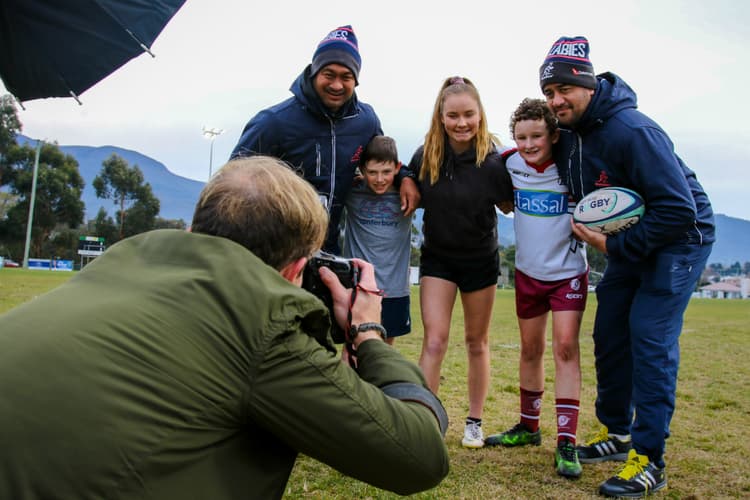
{"points": [[518, 435], [637, 478], [603, 447], [566, 460]]}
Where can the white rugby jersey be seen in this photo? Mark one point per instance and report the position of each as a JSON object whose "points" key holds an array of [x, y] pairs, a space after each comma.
{"points": [[545, 247]]}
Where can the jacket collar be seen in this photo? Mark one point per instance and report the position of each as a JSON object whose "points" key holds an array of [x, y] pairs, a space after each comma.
{"points": [[611, 96]]}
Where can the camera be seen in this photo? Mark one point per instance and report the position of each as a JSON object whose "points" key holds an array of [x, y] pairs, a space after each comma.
{"points": [[345, 271]]}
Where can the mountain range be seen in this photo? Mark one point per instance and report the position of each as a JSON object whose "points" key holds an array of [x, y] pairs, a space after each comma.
{"points": [[178, 196]]}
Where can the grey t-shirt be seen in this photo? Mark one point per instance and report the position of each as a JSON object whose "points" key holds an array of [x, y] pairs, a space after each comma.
{"points": [[378, 232]]}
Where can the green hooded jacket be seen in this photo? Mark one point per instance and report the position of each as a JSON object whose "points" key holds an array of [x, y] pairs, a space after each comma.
{"points": [[179, 365]]}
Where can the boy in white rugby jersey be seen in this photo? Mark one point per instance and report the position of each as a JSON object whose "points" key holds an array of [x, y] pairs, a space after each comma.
{"points": [[551, 275]]}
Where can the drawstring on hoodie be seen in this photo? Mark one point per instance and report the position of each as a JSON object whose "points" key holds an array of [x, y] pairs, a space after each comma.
{"points": [[577, 146]]}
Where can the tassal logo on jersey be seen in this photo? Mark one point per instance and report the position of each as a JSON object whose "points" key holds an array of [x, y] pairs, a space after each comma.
{"points": [[541, 203], [570, 49]]}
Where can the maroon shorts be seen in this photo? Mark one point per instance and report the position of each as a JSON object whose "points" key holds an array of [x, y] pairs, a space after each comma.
{"points": [[535, 297]]}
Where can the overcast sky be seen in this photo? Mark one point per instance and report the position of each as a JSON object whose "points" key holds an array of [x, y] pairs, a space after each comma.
{"points": [[218, 62]]}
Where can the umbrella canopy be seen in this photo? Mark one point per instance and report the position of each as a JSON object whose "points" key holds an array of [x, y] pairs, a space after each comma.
{"points": [[61, 48]]}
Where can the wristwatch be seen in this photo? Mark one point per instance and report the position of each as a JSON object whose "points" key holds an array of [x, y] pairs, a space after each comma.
{"points": [[367, 327]]}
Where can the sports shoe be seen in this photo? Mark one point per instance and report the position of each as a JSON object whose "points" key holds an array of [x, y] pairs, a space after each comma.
{"points": [[566, 460], [473, 436], [603, 447], [518, 435], [637, 478]]}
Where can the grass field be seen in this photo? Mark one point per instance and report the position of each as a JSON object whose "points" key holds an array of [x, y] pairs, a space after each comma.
{"points": [[708, 455], [21, 285]]}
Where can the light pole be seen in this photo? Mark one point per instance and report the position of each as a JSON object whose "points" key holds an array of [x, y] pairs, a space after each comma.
{"points": [[32, 200], [211, 134]]}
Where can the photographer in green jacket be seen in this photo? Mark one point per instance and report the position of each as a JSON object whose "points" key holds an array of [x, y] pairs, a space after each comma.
{"points": [[192, 365]]}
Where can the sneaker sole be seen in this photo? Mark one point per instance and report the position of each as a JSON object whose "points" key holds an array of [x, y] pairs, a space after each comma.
{"points": [[492, 442], [617, 457], [568, 475], [472, 444], [511, 445], [640, 494], [520, 444]]}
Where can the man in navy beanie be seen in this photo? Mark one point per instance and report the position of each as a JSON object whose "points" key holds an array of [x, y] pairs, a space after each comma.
{"points": [[652, 267], [323, 128]]}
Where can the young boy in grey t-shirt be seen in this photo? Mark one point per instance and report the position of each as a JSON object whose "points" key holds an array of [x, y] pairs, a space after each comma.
{"points": [[377, 231]]}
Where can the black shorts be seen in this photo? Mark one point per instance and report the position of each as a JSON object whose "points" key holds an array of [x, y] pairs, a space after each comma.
{"points": [[469, 274], [396, 316]]}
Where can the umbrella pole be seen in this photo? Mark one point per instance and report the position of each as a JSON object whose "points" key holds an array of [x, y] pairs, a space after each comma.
{"points": [[74, 96]]}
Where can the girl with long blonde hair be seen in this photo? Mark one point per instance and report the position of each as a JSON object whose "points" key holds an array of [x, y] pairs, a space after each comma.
{"points": [[462, 179]]}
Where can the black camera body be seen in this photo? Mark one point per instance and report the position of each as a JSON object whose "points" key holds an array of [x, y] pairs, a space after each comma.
{"points": [[345, 271]]}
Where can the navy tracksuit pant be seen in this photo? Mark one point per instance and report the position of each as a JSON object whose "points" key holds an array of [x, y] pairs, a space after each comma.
{"points": [[636, 342]]}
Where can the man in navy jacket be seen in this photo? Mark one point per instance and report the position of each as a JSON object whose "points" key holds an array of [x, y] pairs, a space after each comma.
{"points": [[323, 128], [652, 267]]}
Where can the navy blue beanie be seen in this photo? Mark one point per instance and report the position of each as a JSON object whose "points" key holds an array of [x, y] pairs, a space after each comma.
{"points": [[339, 47], [568, 62]]}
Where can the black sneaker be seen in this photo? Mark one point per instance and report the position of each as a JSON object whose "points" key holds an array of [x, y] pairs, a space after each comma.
{"points": [[566, 460], [518, 435], [603, 447], [637, 478]]}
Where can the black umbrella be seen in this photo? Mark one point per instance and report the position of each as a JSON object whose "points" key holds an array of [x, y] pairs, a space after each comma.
{"points": [[61, 48]]}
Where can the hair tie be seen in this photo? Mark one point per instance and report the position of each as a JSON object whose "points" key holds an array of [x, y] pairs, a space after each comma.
{"points": [[456, 80]]}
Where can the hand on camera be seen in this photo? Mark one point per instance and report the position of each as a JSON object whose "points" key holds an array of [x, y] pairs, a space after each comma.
{"points": [[367, 305]]}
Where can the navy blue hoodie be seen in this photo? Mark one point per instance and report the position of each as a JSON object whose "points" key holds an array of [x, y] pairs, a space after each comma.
{"points": [[614, 144], [324, 146]]}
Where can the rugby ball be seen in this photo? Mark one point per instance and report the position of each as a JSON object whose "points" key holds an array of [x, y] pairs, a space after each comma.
{"points": [[609, 210]]}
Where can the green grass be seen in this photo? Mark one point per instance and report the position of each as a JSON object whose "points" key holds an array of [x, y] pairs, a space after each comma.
{"points": [[707, 455], [19, 285]]}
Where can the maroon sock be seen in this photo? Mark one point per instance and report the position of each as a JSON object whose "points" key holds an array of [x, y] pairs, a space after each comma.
{"points": [[531, 408], [567, 419]]}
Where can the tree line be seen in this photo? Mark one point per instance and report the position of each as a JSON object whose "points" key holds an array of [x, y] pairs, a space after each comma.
{"points": [[58, 216]]}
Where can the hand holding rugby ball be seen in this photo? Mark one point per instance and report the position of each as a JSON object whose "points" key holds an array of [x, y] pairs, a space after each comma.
{"points": [[609, 210]]}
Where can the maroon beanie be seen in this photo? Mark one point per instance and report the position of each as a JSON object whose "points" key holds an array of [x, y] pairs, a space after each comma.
{"points": [[568, 62]]}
